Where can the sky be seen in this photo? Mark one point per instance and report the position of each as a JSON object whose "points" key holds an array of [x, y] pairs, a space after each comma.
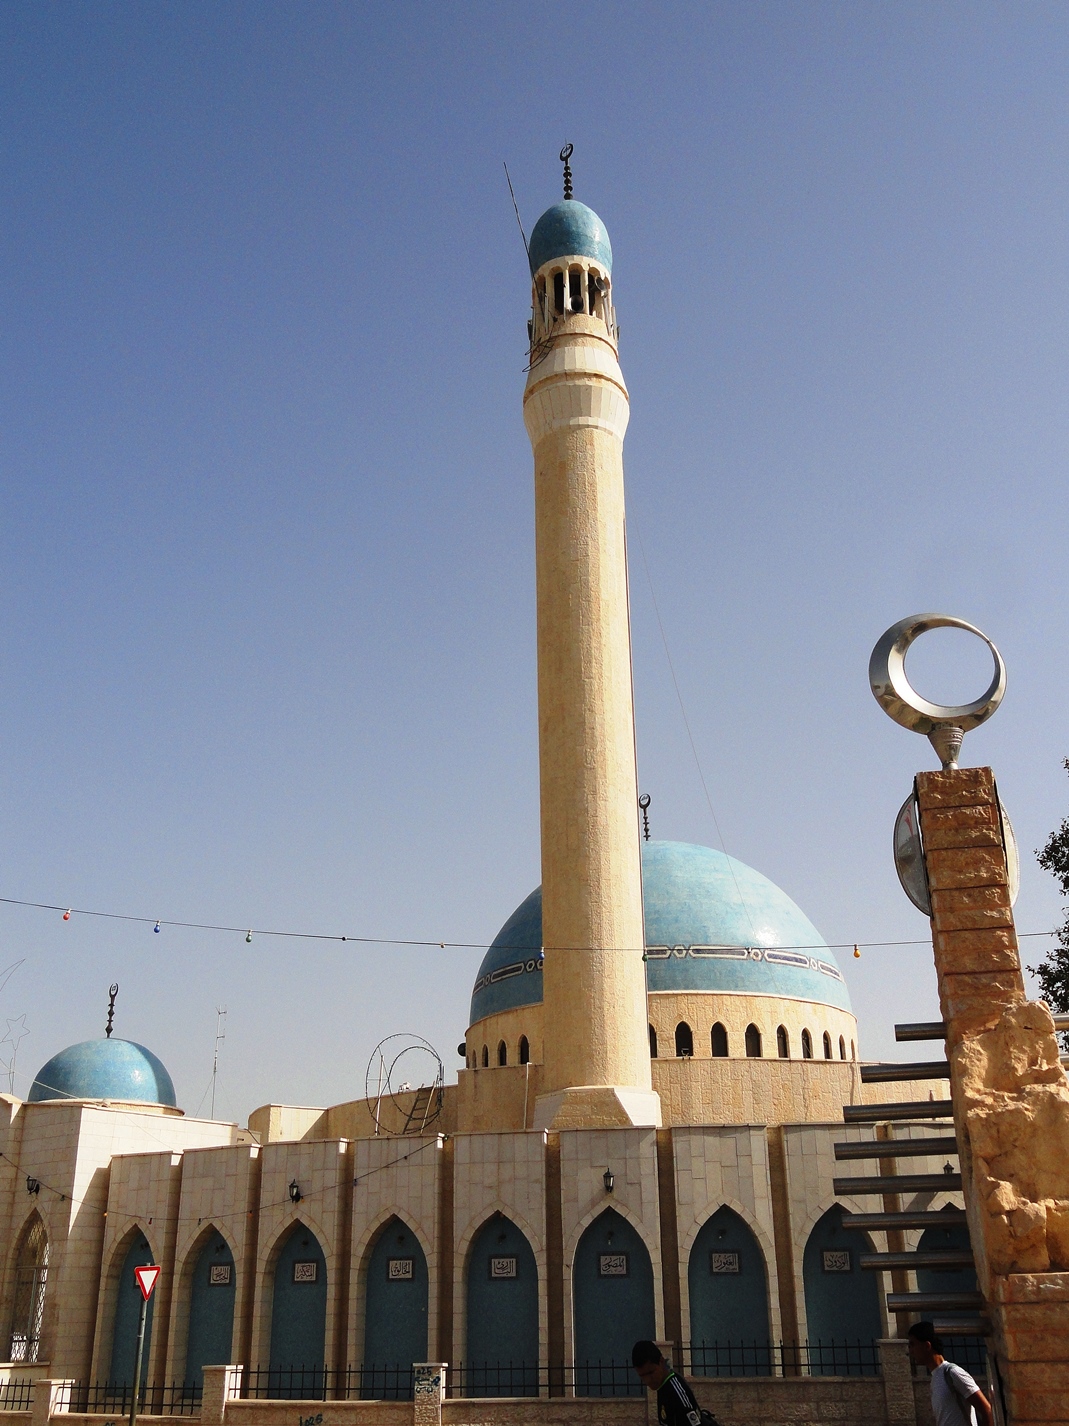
{"points": [[267, 651]]}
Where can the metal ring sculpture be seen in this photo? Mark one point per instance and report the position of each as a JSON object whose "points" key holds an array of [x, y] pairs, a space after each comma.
{"points": [[401, 1108], [944, 725]]}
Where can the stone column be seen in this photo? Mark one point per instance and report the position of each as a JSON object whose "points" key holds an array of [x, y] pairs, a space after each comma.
{"points": [[51, 1397], [428, 1392], [220, 1384], [897, 1372], [1011, 1096]]}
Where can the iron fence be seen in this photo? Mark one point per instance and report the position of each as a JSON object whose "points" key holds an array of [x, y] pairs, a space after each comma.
{"points": [[115, 1398], [755, 1358], [16, 1395], [967, 1352]]}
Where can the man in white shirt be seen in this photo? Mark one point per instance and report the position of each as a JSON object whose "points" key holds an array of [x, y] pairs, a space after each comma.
{"points": [[956, 1399]]}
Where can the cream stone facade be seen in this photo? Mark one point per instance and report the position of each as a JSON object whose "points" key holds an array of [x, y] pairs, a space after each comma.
{"points": [[642, 1140]]}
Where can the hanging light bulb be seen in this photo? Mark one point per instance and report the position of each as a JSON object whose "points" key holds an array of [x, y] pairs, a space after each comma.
{"points": [[857, 954], [67, 914], [156, 928], [248, 939]]}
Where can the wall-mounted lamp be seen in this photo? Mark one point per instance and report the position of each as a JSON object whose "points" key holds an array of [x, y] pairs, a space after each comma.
{"points": [[33, 1185], [295, 1192], [608, 1178]]}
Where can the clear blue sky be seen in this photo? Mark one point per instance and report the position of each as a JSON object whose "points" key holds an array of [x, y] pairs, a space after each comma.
{"points": [[267, 553]]}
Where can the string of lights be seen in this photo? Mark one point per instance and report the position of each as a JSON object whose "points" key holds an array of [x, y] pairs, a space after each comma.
{"points": [[158, 923]]}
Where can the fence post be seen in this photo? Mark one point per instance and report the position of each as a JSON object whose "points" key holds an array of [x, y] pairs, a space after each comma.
{"points": [[51, 1397], [220, 1383], [428, 1392], [897, 1374]]}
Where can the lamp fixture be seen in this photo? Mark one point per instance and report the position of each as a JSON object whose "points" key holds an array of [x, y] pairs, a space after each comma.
{"points": [[608, 1178], [295, 1191], [33, 1185]]}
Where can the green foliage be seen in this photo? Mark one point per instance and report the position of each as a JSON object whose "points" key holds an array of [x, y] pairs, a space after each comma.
{"points": [[1053, 972]]}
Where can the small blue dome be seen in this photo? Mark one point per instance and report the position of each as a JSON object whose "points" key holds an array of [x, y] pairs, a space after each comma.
{"points": [[570, 229], [712, 924], [104, 1069]]}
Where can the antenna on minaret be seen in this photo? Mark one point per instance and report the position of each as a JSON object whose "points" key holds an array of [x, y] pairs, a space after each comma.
{"points": [[565, 154], [644, 803], [220, 1036], [112, 993]]}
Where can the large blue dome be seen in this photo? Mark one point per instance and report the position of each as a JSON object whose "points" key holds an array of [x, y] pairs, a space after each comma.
{"points": [[105, 1069], [712, 924], [570, 229]]}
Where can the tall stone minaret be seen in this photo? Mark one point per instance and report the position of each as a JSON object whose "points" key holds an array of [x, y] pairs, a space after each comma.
{"points": [[596, 1051]]}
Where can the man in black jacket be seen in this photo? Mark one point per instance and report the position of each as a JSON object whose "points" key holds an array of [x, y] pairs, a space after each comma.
{"points": [[676, 1404]]}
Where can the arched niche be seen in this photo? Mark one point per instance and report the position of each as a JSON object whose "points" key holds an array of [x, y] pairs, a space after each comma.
{"points": [[128, 1316], [684, 1041], [728, 1285], [395, 1316], [954, 1235], [842, 1303], [212, 1290], [612, 1295], [502, 1312], [31, 1279], [298, 1317]]}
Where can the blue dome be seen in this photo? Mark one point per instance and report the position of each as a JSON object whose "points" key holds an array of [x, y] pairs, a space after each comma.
{"points": [[712, 924], [570, 229], [104, 1069]]}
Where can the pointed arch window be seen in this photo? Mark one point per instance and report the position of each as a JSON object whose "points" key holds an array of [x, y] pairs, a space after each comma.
{"points": [[502, 1053], [719, 1039], [842, 1048], [684, 1041], [807, 1045], [753, 1042], [783, 1044], [525, 1050], [31, 1277], [827, 1045], [653, 1043], [486, 1057]]}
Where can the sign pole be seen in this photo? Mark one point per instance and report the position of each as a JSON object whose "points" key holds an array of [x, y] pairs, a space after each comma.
{"points": [[146, 1278], [137, 1364]]}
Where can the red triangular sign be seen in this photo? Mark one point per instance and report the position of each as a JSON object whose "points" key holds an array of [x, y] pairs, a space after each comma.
{"points": [[146, 1280]]}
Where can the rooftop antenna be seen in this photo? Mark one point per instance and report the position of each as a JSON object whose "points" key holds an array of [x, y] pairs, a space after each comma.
{"points": [[220, 1036], [516, 210], [565, 154], [112, 993], [644, 803]]}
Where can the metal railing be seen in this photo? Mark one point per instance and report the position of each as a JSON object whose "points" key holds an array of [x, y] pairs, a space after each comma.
{"points": [[16, 1395], [755, 1358], [115, 1398]]}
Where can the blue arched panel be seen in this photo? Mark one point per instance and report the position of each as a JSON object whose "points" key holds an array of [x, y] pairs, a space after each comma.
{"points": [[299, 1316], [729, 1329], [612, 1291], [954, 1235], [502, 1312], [211, 1309], [128, 1315], [842, 1303], [395, 1332]]}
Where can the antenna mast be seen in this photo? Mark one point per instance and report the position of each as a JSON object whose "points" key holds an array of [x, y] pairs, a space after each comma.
{"points": [[220, 1036], [112, 993]]}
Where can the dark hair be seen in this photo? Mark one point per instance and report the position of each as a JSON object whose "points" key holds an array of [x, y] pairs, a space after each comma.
{"points": [[645, 1353], [925, 1332]]}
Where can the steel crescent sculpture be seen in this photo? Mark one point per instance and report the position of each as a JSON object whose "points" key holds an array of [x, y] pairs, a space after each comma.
{"points": [[944, 725]]}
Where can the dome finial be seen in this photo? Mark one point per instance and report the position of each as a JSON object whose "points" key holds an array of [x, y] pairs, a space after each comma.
{"points": [[565, 154], [112, 993]]}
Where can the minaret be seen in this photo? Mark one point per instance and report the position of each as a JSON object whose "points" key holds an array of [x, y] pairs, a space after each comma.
{"points": [[575, 406]]}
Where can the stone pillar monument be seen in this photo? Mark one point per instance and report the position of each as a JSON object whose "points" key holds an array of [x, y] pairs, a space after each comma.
{"points": [[596, 1057], [1010, 1093]]}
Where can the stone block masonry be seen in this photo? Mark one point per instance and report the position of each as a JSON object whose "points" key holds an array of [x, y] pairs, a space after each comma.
{"points": [[1011, 1095]]}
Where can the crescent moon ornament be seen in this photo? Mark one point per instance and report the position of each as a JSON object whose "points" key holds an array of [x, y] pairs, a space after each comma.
{"points": [[945, 726]]}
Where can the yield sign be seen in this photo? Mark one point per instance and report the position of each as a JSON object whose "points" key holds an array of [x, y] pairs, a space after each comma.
{"points": [[146, 1280]]}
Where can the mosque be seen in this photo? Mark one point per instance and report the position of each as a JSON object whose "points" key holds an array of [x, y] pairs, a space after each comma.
{"points": [[639, 1143]]}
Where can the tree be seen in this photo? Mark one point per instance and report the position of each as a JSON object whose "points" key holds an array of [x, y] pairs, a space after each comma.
{"points": [[1053, 972]]}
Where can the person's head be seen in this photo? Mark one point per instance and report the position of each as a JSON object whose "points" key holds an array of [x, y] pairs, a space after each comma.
{"points": [[650, 1365], [925, 1345]]}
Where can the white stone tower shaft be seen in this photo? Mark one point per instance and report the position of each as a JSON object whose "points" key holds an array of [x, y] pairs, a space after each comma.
{"points": [[596, 1051]]}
